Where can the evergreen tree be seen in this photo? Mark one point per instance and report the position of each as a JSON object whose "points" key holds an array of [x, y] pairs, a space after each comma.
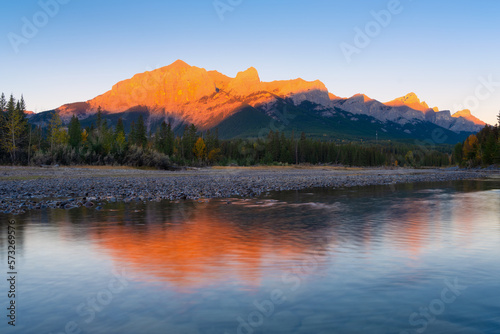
{"points": [[120, 128], [22, 104], [458, 153], [161, 138], [170, 140], [15, 128], [99, 119], [120, 139], [75, 132], [132, 136], [140, 133], [3, 103], [188, 141]]}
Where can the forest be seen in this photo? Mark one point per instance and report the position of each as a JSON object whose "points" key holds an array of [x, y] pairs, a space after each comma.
{"points": [[481, 149], [22, 143]]}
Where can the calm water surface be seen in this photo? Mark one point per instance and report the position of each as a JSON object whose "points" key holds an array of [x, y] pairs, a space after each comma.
{"points": [[418, 259]]}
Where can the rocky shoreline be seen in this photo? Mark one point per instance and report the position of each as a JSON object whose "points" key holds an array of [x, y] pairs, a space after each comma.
{"points": [[28, 188]]}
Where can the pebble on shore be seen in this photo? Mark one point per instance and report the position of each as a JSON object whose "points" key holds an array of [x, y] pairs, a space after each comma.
{"points": [[60, 188]]}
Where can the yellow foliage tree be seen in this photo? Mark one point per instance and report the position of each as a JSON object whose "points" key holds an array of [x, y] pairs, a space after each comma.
{"points": [[200, 149], [57, 135], [471, 148], [85, 136], [214, 155]]}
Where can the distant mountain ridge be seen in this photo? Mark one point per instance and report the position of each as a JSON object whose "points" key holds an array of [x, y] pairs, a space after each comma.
{"points": [[181, 94]]}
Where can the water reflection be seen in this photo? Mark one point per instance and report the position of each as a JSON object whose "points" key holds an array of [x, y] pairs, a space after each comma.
{"points": [[365, 257], [216, 244]]}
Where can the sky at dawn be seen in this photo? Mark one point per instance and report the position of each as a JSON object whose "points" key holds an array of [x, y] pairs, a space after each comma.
{"points": [[447, 52]]}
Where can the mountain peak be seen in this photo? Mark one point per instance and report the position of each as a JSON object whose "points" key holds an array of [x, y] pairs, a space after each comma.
{"points": [[466, 114], [462, 113], [361, 96], [250, 75], [245, 82], [179, 64], [410, 100]]}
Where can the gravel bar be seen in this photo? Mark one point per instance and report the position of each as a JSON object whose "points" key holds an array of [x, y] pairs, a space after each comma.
{"points": [[31, 188]]}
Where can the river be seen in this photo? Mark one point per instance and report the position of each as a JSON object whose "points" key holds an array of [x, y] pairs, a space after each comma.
{"points": [[415, 258]]}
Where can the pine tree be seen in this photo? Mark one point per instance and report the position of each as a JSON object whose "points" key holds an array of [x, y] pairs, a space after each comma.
{"points": [[120, 139], [132, 137], [75, 132], [22, 104], [140, 132], [15, 128], [188, 140], [3, 103], [99, 119], [120, 128], [170, 140], [161, 138]]}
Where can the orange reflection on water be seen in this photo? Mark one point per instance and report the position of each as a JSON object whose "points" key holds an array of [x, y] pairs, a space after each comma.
{"points": [[200, 252]]}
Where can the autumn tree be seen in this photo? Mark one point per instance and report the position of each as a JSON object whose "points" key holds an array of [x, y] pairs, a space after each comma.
{"points": [[200, 149], [56, 134], [470, 148], [214, 155]]}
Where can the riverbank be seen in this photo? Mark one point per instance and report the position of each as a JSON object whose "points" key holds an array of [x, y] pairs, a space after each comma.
{"points": [[31, 188]]}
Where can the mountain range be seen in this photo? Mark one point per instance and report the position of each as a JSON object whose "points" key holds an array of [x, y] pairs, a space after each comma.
{"points": [[245, 106]]}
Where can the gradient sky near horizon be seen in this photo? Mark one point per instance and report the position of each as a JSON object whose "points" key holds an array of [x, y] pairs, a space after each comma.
{"points": [[441, 50]]}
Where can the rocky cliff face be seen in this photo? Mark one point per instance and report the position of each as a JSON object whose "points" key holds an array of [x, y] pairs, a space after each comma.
{"points": [[408, 109], [412, 101], [205, 98], [195, 95]]}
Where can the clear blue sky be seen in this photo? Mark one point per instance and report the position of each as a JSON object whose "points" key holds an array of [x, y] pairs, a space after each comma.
{"points": [[437, 49]]}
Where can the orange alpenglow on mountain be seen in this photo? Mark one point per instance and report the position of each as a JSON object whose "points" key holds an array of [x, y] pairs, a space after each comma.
{"points": [[181, 93], [411, 100], [194, 94], [468, 116]]}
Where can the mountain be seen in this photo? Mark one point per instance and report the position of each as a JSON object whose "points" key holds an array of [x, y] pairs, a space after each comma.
{"points": [[408, 109], [466, 114], [191, 94], [245, 106], [412, 101]]}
